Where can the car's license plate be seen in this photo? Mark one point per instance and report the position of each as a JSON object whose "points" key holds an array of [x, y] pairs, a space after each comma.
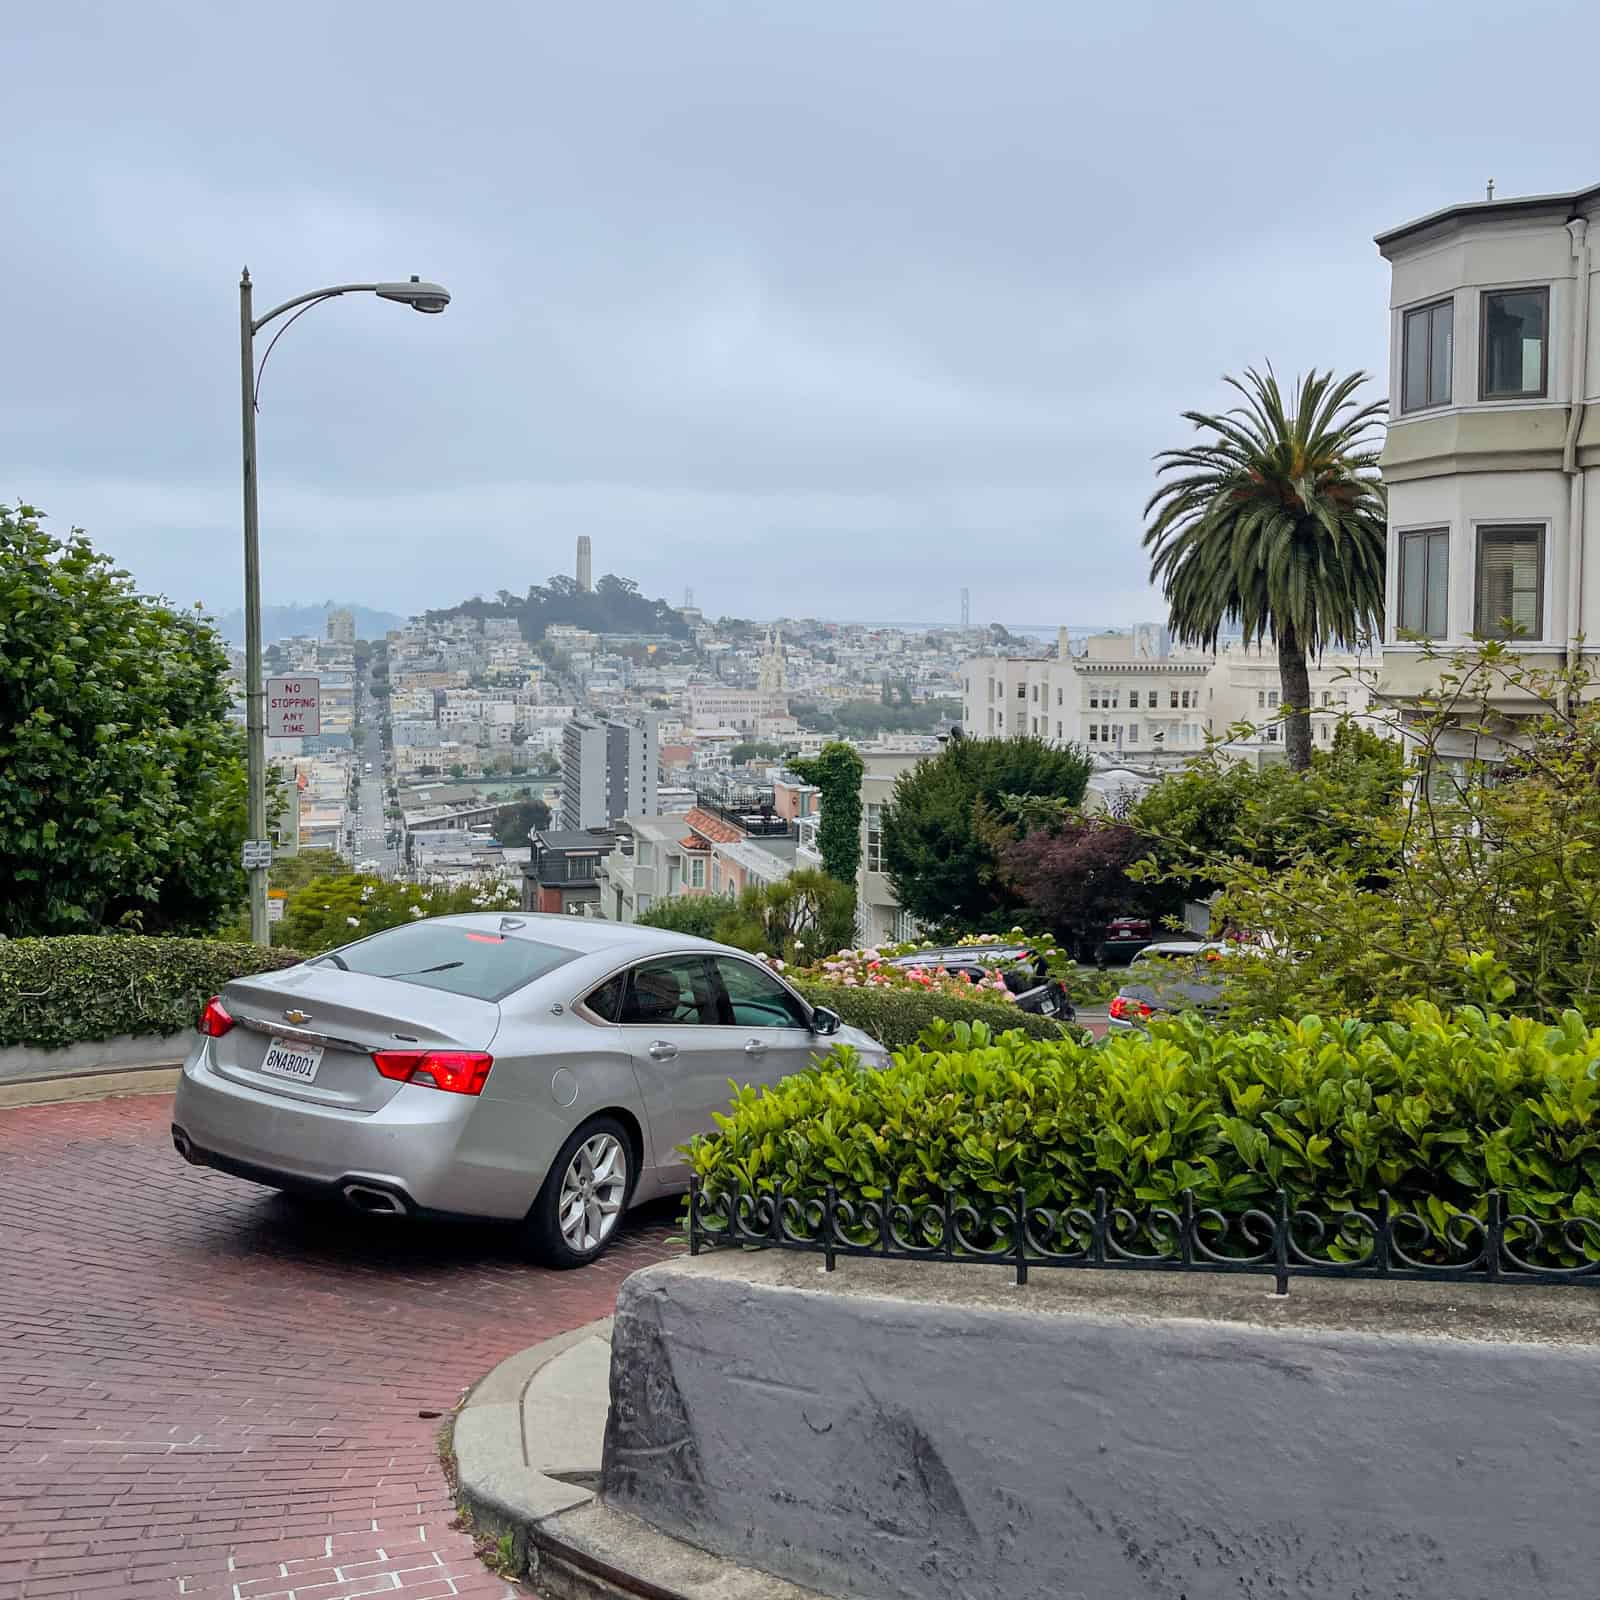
{"points": [[297, 1061]]}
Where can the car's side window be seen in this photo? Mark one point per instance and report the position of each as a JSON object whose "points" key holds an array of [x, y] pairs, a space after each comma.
{"points": [[670, 991], [756, 999], [606, 1001]]}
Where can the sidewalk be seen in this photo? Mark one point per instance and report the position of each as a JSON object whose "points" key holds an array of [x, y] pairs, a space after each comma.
{"points": [[528, 1446]]}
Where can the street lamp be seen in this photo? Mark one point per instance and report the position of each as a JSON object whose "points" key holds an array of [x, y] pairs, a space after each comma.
{"points": [[429, 298]]}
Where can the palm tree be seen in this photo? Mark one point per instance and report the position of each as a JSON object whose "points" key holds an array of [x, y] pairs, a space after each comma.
{"points": [[1275, 522]]}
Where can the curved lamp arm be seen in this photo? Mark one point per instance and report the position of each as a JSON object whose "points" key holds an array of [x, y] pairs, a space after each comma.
{"points": [[305, 299]]}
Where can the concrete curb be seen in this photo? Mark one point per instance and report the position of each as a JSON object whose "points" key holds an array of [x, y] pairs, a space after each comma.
{"points": [[22, 1063], [527, 1445], [98, 1084]]}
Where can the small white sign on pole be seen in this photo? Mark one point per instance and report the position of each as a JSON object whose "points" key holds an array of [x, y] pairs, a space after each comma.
{"points": [[294, 708]]}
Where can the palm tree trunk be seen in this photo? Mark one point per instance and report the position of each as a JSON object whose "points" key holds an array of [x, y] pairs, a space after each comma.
{"points": [[1296, 680]]}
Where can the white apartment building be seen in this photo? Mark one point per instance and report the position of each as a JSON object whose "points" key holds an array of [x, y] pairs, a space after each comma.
{"points": [[1494, 435], [1151, 708]]}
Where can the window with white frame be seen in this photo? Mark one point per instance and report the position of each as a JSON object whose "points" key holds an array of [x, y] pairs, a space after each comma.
{"points": [[874, 836], [697, 872], [1133, 733], [1094, 733]]}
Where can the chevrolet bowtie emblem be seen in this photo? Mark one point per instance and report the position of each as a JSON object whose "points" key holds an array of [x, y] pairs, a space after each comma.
{"points": [[296, 1016]]}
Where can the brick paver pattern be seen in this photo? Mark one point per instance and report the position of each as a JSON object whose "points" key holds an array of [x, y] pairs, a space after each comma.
{"points": [[207, 1389]]}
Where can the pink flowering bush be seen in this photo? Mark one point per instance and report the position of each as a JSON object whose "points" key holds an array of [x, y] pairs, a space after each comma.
{"points": [[873, 969]]}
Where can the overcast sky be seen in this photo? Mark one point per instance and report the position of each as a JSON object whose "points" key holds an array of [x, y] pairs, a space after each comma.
{"points": [[823, 307]]}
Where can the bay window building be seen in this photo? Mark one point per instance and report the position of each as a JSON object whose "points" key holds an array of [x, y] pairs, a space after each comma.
{"points": [[1494, 435]]}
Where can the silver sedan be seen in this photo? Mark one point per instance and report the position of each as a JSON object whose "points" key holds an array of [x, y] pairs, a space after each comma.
{"points": [[543, 1069]]}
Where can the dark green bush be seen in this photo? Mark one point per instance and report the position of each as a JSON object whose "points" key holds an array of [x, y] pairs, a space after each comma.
{"points": [[68, 990], [896, 1018], [698, 915], [1437, 1110]]}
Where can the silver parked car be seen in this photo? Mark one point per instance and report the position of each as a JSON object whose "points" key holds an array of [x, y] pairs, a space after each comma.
{"points": [[535, 1068]]}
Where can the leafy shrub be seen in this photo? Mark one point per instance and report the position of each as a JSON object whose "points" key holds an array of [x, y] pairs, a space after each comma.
{"points": [[896, 1018], [698, 915], [56, 992], [1437, 1110]]}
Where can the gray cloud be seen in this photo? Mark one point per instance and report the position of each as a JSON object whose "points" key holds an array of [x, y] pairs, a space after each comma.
{"points": [[827, 307]]}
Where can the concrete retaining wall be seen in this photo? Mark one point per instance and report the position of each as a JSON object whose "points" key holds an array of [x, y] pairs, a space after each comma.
{"points": [[20, 1062], [929, 1433]]}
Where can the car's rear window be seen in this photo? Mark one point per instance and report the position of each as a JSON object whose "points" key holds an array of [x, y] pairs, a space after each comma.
{"points": [[477, 962]]}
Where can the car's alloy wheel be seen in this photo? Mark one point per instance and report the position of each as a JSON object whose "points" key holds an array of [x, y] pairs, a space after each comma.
{"points": [[584, 1194], [593, 1192]]}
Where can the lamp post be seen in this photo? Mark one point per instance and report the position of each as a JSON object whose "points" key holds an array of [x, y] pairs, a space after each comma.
{"points": [[426, 297]]}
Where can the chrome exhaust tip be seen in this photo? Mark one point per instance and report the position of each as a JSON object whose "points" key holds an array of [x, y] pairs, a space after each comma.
{"points": [[372, 1201]]}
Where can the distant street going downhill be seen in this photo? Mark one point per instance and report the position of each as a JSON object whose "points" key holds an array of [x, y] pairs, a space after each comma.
{"points": [[208, 1389]]}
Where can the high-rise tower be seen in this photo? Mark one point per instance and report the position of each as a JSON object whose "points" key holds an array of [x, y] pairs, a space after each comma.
{"points": [[585, 573]]}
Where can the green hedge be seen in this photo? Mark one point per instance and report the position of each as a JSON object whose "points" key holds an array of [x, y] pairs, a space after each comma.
{"points": [[1437, 1110], [68, 990], [896, 1018]]}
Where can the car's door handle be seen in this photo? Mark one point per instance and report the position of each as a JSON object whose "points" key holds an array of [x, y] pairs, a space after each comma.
{"points": [[662, 1050], [756, 1047]]}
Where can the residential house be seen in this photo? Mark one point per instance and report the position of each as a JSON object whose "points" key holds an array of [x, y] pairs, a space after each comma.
{"points": [[1493, 437]]}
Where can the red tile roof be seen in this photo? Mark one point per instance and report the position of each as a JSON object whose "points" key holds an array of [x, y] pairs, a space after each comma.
{"points": [[713, 828]]}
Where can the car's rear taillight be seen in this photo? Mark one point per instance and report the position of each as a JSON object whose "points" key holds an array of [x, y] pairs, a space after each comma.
{"points": [[214, 1020], [1122, 1009], [456, 1071]]}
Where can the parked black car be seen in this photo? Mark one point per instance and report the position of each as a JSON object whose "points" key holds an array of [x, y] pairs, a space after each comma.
{"points": [[1026, 973]]}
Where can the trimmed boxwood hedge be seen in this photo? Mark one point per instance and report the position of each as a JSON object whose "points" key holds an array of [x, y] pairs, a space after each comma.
{"points": [[1435, 1109], [896, 1018], [68, 990]]}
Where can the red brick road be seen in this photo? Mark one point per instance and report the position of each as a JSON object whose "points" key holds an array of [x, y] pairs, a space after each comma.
{"points": [[206, 1389]]}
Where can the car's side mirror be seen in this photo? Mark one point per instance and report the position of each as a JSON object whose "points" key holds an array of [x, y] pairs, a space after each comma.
{"points": [[824, 1021]]}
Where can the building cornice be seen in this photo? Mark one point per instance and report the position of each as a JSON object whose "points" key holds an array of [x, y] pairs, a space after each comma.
{"points": [[1458, 218]]}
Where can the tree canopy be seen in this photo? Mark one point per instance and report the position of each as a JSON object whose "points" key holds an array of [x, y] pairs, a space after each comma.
{"points": [[937, 850], [122, 783], [512, 824], [1276, 522], [614, 605]]}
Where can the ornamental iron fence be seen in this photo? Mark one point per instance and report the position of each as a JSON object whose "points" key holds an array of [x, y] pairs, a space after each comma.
{"points": [[1285, 1242]]}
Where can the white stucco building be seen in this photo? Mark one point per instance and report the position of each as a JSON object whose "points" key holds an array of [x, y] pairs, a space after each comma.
{"points": [[1125, 704], [1494, 438]]}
